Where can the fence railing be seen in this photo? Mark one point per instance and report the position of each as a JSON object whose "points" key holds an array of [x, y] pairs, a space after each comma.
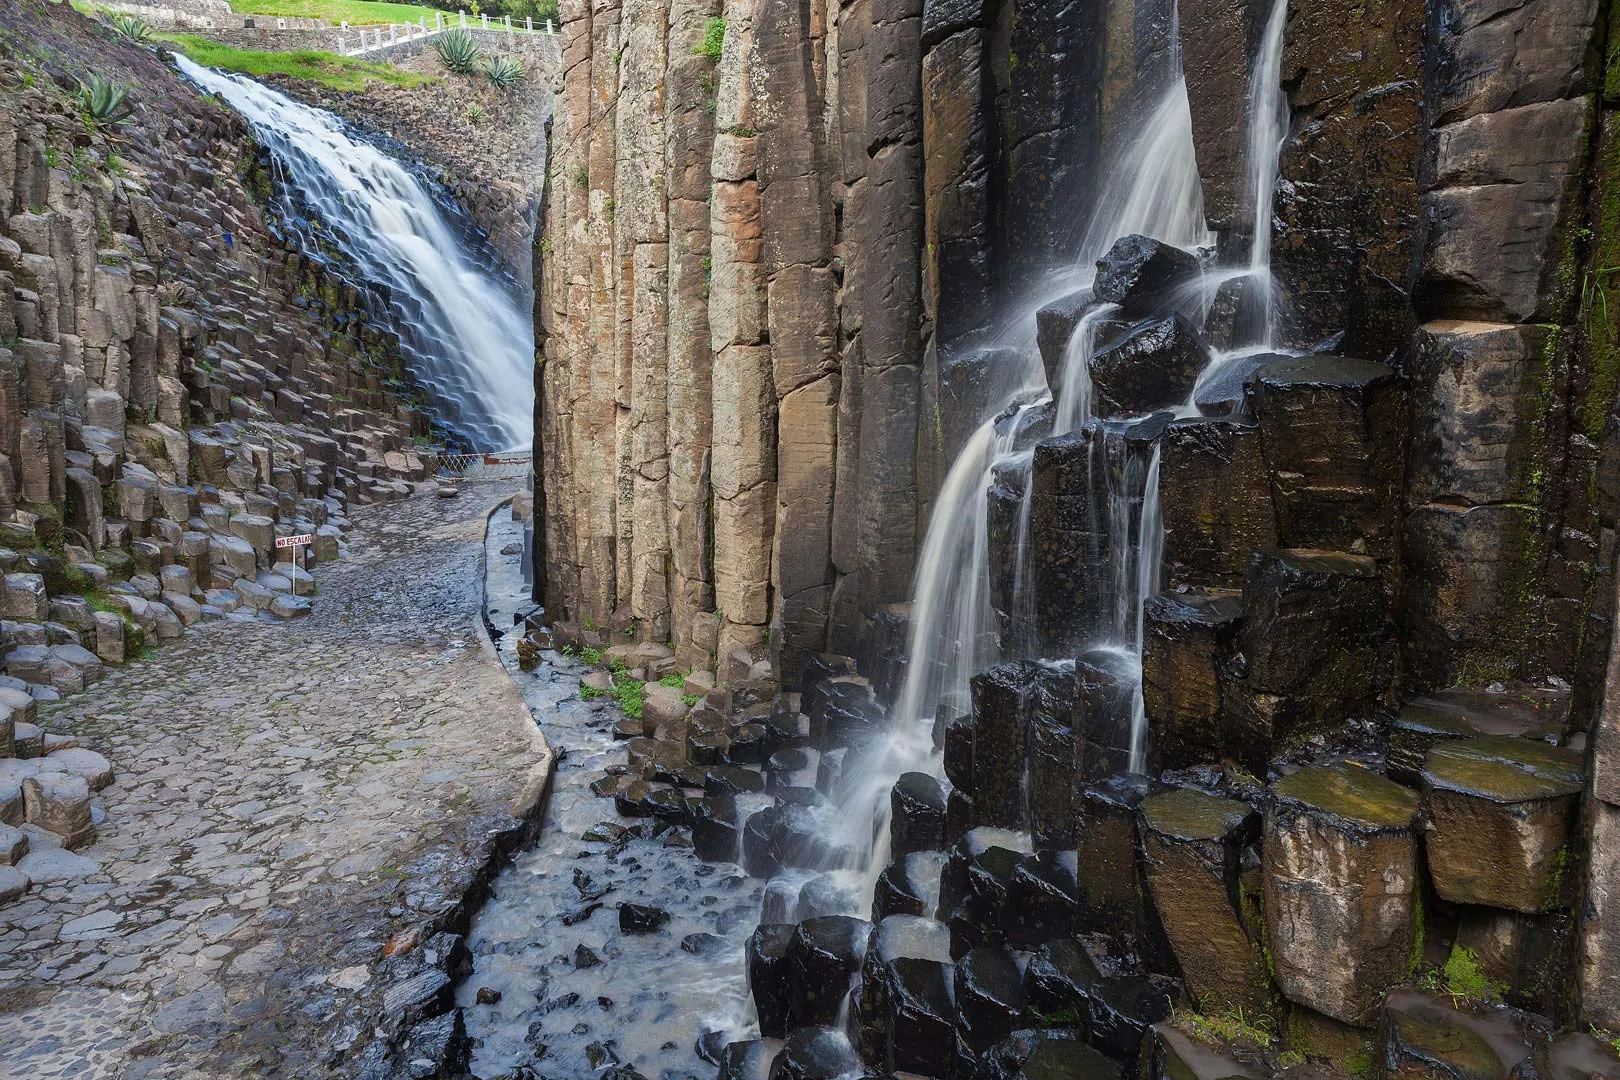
{"points": [[372, 38], [472, 468]]}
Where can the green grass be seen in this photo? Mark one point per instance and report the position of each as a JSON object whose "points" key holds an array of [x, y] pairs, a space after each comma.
{"points": [[353, 12], [327, 69]]}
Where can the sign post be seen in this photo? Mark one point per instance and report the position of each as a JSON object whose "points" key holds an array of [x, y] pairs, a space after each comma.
{"points": [[293, 543]]}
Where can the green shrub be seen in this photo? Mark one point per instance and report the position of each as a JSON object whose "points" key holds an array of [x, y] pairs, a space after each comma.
{"points": [[714, 39], [104, 103], [503, 72], [458, 50], [131, 29]]}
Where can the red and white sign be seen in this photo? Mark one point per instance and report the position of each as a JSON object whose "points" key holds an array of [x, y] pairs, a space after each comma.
{"points": [[294, 541]]}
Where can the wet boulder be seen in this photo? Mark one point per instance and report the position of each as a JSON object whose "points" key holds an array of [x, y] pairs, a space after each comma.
{"points": [[1341, 888], [916, 814], [747, 1060], [847, 713], [905, 1015], [1110, 890], [1576, 1055], [975, 884], [1047, 1055], [715, 832], [1143, 275], [1500, 811], [827, 894], [641, 918], [823, 954], [1043, 900], [1065, 538], [1057, 322], [815, 1053], [1422, 1036], [1188, 641], [1105, 704], [1215, 498], [971, 383], [1173, 1054], [766, 962], [809, 836], [1426, 721], [758, 851], [1527, 957], [1153, 366], [1049, 754], [1191, 847], [1312, 624], [958, 750], [990, 1000], [1000, 700], [909, 886], [1065, 988], [1332, 431], [830, 770]]}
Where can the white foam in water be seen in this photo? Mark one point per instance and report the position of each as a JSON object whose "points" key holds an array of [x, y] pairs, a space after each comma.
{"points": [[471, 344]]}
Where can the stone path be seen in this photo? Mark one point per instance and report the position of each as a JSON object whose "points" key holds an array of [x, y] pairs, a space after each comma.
{"points": [[287, 798]]}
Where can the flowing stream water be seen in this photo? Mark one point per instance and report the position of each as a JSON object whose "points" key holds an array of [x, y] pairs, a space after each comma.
{"points": [[469, 341]]}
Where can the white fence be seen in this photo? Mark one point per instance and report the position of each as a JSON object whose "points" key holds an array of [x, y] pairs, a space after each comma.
{"points": [[508, 465], [369, 39]]}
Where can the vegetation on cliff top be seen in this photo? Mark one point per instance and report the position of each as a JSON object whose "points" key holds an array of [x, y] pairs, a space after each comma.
{"points": [[324, 68], [353, 12]]}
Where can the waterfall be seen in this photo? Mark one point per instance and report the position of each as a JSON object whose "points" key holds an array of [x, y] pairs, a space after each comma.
{"points": [[1268, 130], [468, 342]]}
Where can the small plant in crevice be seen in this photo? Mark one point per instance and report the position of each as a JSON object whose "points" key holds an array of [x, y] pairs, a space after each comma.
{"points": [[458, 51], [503, 72], [131, 29], [104, 104], [582, 176], [714, 39]]}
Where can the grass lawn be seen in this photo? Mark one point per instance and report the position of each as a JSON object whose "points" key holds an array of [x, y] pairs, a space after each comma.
{"points": [[353, 12], [327, 69]]}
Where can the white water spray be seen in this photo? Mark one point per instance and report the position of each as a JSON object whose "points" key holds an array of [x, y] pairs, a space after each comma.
{"points": [[1268, 130], [469, 343]]}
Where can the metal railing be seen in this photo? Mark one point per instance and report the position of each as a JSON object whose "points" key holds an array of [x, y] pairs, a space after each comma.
{"points": [[472, 468], [374, 38]]}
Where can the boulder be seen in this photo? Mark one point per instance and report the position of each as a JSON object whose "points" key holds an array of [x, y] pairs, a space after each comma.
{"points": [[1144, 276], [1215, 498], [1341, 888], [975, 883], [905, 1015], [1153, 366], [990, 999], [909, 886], [1430, 719], [765, 957], [1047, 1055], [916, 814], [1332, 431], [1188, 640], [1501, 810], [822, 956], [1000, 700], [1421, 1036], [59, 802], [1192, 844], [815, 1053]]}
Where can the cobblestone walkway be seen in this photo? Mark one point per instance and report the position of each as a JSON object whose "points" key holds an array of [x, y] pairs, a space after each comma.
{"points": [[287, 798]]}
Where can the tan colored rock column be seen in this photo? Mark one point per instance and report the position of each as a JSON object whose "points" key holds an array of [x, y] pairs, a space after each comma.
{"points": [[690, 105], [744, 398]]}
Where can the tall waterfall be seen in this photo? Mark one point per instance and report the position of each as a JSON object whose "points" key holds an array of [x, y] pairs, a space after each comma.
{"points": [[468, 342], [1268, 129]]}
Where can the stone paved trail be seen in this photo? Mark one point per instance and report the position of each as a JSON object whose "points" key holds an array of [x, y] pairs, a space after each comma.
{"points": [[288, 797]]}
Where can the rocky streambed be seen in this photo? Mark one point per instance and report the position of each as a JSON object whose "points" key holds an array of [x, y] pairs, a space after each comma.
{"points": [[608, 945]]}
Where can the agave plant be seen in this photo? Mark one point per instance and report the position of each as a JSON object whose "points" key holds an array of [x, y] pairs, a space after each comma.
{"points": [[131, 29], [457, 50], [104, 103], [503, 72]]}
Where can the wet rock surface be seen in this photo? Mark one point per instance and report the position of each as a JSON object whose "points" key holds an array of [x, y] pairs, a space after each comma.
{"points": [[280, 839]]}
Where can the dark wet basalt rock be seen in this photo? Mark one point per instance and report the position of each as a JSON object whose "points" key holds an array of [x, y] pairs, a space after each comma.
{"points": [[1105, 691], [1000, 696], [1428, 720], [815, 1053], [904, 1011], [747, 1060], [1332, 429], [1050, 754], [909, 886], [1421, 1036], [641, 918], [826, 894], [990, 1000], [1047, 1054], [1143, 275], [823, 954], [975, 884], [1215, 497], [916, 814], [768, 982], [847, 713], [1153, 366], [1042, 899], [715, 832], [1055, 325], [1066, 989], [1189, 639], [1192, 846]]}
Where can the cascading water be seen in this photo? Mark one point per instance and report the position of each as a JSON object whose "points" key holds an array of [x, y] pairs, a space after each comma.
{"points": [[1268, 130], [469, 342]]}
